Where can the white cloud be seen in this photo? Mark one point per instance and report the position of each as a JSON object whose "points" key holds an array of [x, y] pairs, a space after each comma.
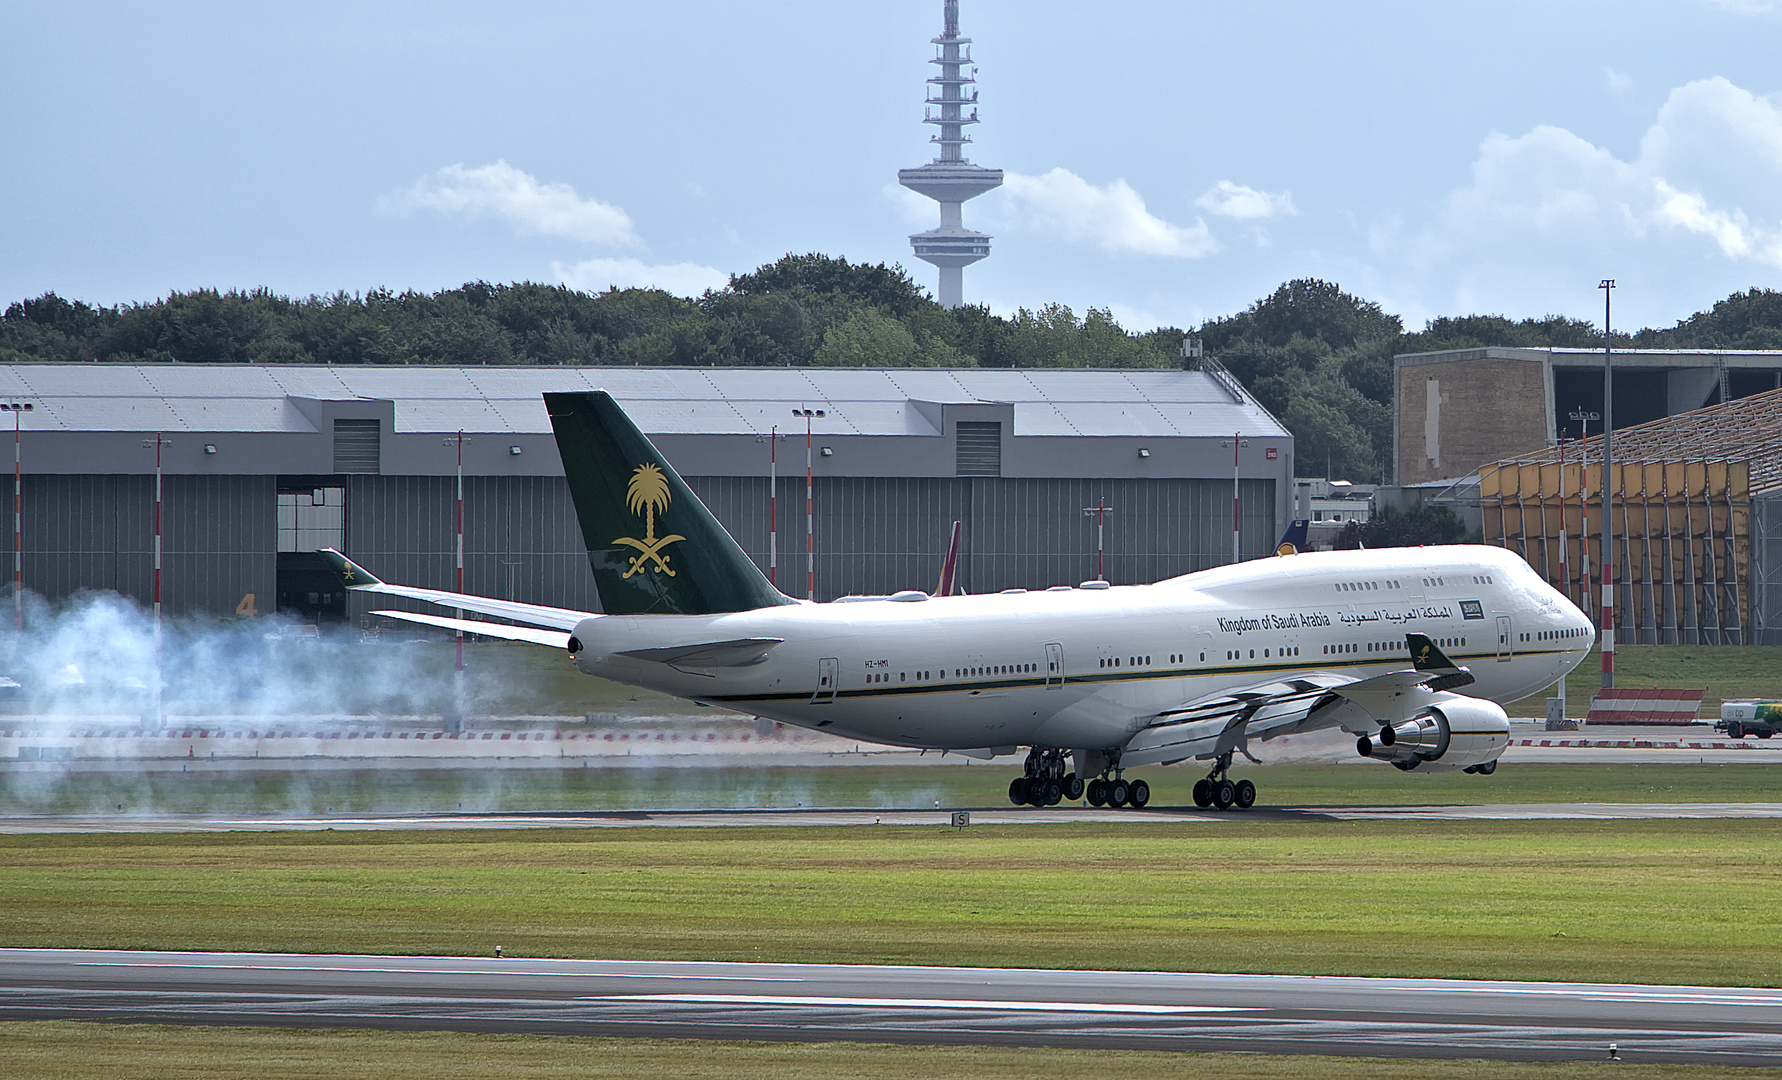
{"points": [[1112, 217], [531, 207], [1709, 166], [1617, 83], [681, 279], [1245, 203], [914, 210]]}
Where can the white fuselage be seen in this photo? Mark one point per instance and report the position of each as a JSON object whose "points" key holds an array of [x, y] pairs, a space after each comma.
{"points": [[1087, 668]]}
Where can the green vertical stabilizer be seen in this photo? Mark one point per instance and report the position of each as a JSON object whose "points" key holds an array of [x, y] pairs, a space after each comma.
{"points": [[653, 546]]}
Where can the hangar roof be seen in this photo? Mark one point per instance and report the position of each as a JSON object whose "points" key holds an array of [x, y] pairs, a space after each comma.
{"points": [[706, 401]]}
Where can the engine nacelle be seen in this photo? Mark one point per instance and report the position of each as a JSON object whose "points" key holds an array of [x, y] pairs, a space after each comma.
{"points": [[1459, 733]]}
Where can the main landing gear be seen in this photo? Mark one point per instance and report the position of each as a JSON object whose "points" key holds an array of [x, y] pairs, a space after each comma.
{"points": [[1219, 790], [1044, 782]]}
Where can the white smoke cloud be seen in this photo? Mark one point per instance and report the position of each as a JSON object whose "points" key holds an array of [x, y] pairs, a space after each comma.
{"points": [[1112, 217], [531, 207], [1245, 203], [681, 279]]}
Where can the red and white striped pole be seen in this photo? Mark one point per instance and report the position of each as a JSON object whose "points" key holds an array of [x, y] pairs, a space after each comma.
{"points": [[18, 517], [1608, 560], [159, 443], [1565, 583], [1236, 505], [459, 586], [810, 518], [773, 507]]}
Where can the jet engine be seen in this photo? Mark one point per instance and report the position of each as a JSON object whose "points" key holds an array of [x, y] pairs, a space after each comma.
{"points": [[1459, 733]]}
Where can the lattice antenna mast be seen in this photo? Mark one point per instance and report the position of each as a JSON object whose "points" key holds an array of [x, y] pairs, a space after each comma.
{"points": [[949, 179]]}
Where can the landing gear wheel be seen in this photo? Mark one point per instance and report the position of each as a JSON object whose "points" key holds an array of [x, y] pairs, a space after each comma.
{"points": [[1224, 794], [1486, 768], [1118, 793], [1018, 791], [1073, 787], [1243, 795], [1203, 793], [1138, 794], [1053, 793], [1098, 792]]}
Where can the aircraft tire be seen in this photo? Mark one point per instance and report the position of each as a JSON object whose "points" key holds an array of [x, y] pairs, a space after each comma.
{"points": [[1224, 794], [1138, 794], [1203, 793], [1018, 791], [1117, 793], [1053, 793], [1073, 787], [1097, 791], [1244, 795]]}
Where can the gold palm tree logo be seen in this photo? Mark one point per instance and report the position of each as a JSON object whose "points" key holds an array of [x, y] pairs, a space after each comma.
{"points": [[648, 495]]}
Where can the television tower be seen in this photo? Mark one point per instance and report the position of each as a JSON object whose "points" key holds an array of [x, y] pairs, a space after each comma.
{"points": [[950, 179]]}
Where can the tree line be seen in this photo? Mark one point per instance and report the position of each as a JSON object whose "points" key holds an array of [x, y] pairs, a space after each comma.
{"points": [[1317, 357]]}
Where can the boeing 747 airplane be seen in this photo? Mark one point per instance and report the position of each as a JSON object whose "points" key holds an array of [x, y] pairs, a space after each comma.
{"points": [[1411, 650]]}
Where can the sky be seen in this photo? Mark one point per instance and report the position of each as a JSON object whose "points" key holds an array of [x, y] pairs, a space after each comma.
{"points": [[1169, 160]]}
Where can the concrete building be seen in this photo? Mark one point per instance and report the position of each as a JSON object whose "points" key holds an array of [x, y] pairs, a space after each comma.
{"points": [[1463, 408], [264, 464], [949, 179]]}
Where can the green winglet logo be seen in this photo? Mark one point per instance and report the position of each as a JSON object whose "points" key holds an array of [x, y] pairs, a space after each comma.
{"points": [[351, 574], [648, 495]]}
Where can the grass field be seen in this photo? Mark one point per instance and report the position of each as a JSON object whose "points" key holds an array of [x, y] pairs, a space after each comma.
{"points": [[61, 1051], [1728, 671], [219, 789], [1636, 901]]}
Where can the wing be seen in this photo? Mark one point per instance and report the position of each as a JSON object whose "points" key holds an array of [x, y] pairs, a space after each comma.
{"points": [[358, 579], [1224, 723]]}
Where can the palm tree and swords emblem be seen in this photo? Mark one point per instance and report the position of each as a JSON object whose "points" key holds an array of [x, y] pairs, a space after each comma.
{"points": [[647, 495]]}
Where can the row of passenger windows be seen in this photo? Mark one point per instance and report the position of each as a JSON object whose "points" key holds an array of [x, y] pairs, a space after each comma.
{"points": [[879, 677], [1555, 635], [1238, 654], [1131, 661], [1367, 586]]}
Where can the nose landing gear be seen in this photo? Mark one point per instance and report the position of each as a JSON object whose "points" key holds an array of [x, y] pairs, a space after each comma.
{"points": [[1218, 789]]}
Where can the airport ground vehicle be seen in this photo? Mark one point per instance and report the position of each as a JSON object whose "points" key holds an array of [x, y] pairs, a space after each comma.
{"points": [[1741, 718]]}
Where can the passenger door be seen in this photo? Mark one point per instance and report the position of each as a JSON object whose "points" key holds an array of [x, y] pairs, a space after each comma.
{"points": [[828, 674], [1054, 666], [1505, 650]]}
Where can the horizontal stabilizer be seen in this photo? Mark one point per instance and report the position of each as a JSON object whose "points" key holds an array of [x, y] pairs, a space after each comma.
{"points": [[357, 579], [739, 652], [557, 639]]}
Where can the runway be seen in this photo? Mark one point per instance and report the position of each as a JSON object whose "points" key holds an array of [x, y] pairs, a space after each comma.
{"points": [[818, 1003], [826, 818]]}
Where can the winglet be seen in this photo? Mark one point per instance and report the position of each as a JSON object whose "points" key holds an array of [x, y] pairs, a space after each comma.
{"points": [[351, 574], [1426, 657]]}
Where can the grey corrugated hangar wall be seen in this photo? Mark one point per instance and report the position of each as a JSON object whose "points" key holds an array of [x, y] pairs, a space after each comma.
{"points": [[262, 464]]}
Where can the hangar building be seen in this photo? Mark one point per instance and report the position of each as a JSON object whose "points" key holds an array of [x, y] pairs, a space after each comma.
{"points": [[1697, 530], [1457, 410], [264, 464]]}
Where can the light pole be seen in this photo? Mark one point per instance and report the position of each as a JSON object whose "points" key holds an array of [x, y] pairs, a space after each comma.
{"points": [[1607, 285], [458, 613], [158, 443], [810, 527], [1101, 510], [1237, 443], [18, 409], [1583, 418]]}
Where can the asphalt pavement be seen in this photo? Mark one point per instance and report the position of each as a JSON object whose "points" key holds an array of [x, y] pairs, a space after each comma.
{"points": [[1433, 1018]]}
